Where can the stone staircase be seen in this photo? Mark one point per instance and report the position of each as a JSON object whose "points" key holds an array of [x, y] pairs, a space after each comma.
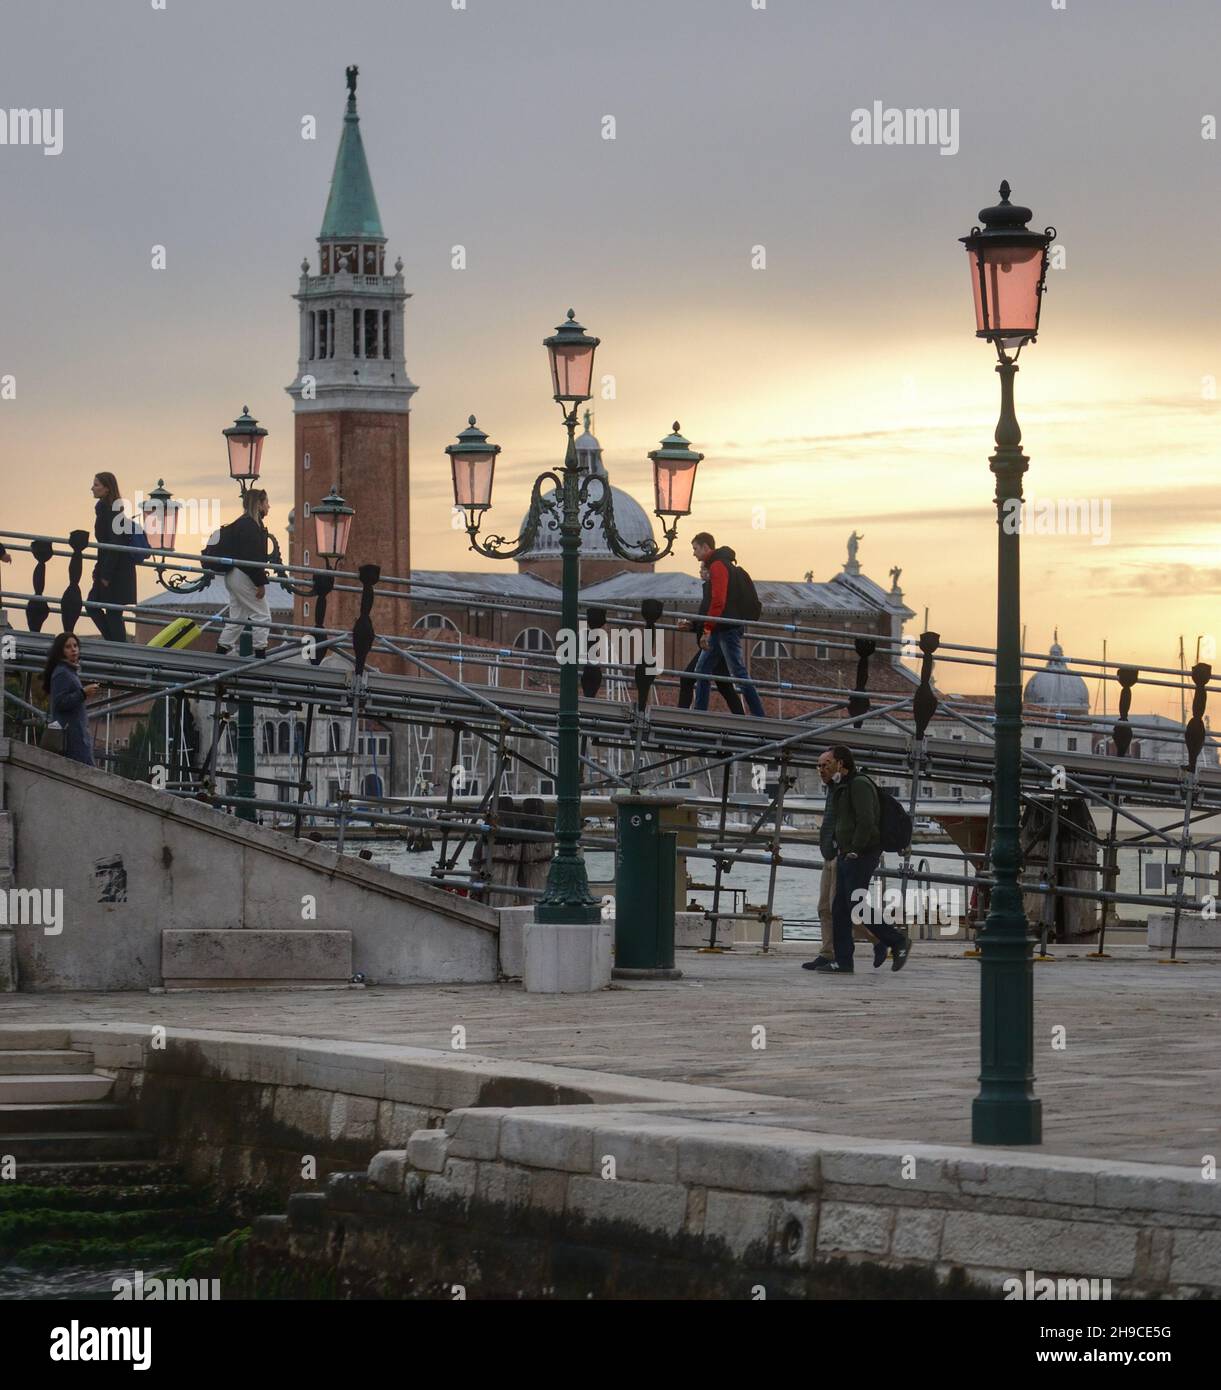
{"points": [[57, 1116]]}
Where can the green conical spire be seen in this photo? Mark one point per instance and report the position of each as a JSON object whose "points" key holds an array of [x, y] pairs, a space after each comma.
{"points": [[351, 209]]}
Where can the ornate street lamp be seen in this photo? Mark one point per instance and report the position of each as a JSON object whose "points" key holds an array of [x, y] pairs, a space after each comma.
{"points": [[1008, 273], [159, 518], [674, 466], [473, 461], [571, 350], [570, 507], [332, 528], [245, 439]]}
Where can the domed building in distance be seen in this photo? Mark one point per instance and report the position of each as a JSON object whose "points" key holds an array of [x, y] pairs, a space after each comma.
{"points": [[1055, 689], [598, 561]]}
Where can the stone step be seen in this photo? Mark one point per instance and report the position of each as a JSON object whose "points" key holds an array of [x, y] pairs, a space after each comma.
{"points": [[51, 1088], [77, 1116], [106, 1172], [41, 1038], [27, 1062], [41, 1148]]}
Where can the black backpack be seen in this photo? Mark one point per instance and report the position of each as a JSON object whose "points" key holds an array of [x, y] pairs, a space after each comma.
{"points": [[220, 547], [894, 824], [743, 597]]}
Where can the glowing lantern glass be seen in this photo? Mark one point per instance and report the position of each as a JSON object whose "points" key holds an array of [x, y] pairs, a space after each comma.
{"points": [[245, 439], [159, 518], [473, 461], [1008, 272], [571, 350], [674, 466], [332, 526]]}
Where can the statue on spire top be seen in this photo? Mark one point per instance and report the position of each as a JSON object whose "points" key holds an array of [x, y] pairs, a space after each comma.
{"points": [[352, 73]]}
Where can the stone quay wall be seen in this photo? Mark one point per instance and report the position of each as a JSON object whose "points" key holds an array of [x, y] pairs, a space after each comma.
{"points": [[604, 1201], [243, 1111], [440, 1174]]}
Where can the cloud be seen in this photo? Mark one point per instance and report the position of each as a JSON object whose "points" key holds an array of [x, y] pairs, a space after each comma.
{"points": [[1164, 581]]}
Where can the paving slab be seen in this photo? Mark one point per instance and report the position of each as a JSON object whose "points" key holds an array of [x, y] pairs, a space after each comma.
{"points": [[878, 1054]]}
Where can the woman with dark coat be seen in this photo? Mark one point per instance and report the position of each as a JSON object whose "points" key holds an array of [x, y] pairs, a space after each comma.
{"points": [[61, 680], [114, 575]]}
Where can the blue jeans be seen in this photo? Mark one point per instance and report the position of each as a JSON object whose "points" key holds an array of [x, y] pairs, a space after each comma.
{"points": [[852, 877], [727, 641]]}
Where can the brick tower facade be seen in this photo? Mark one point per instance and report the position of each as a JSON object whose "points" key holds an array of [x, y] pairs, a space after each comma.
{"points": [[352, 395]]}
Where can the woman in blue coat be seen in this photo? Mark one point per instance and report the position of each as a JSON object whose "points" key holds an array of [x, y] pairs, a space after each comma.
{"points": [[61, 680], [114, 575]]}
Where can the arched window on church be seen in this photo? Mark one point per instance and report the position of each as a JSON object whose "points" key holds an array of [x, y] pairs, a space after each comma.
{"points": [[269, 739], [282, 745], [769, 648], [434, 622], [533, 639], [299, 738], [334, 740]]}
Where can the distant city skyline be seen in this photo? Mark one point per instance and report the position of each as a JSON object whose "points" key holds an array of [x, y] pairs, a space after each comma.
{"points": [[795, 297]]}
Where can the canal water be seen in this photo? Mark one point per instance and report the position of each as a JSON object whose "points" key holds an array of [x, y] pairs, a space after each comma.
{"points": [[796, 897]]}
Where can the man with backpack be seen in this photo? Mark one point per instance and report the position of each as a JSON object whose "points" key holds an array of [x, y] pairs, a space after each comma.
{"points": [[861, 829], [827, 765], [732, 595]]}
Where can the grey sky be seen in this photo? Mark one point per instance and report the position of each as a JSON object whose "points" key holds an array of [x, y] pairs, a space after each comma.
{"points": [[483, 127]]}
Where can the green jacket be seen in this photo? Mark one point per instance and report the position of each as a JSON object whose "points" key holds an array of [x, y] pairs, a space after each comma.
{"points": [[857, 816]]}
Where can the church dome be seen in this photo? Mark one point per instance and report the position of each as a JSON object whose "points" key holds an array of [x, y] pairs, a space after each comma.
{"points": [[631, 520], [1056, 687]]}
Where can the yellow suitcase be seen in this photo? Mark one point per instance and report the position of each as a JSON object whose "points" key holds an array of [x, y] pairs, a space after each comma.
{"points": [[180, 633]]}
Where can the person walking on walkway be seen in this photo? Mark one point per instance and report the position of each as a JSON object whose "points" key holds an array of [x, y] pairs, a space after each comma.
{"points": [[687, 683], [114, 575], [826, 887], [66, 696], [858, 840], [247, 539], [722, 639]]}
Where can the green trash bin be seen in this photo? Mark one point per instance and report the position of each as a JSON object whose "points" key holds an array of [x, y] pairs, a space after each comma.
{"points": [[645, 867]]}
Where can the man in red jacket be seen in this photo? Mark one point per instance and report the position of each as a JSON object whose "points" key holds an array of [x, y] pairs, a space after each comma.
{"points": [[724, 638]]}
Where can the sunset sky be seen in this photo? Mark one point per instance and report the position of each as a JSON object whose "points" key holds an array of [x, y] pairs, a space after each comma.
{"points": [[841, 386]]}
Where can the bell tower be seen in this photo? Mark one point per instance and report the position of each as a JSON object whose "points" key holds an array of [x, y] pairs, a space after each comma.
{"points": [[352, 395]]}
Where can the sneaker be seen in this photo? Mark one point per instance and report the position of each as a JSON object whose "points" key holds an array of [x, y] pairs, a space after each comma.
{"points": [[260, 652], [880, 953], [902, 952], [222, 651], [835, 968], [818, 963]]}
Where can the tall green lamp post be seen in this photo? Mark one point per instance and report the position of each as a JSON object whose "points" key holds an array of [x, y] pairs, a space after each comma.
{"points": [[1008, 274], [572, 505]]}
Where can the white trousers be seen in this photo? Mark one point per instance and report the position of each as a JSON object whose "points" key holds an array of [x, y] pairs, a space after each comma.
{"points": [[245, 607]]}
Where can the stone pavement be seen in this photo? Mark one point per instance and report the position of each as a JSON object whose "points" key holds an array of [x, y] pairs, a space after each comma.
{"points": [[877, 1054]]}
